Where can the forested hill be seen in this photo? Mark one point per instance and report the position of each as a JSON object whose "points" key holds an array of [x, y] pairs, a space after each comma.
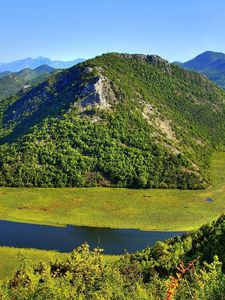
{"points": [[116, 120]]}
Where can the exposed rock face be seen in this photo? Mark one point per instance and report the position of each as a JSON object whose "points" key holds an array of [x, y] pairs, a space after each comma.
{"points": [[156, 60], [160, 123], [98, 92]]}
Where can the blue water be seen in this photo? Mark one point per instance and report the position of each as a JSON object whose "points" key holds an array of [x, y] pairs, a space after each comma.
{"points": [[65, 239]]}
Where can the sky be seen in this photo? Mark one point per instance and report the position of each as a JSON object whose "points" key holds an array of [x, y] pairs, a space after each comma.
{"points": [[67, 29]]}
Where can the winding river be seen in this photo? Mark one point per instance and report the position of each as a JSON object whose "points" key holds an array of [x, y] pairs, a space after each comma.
{"points": [[65, 239]]}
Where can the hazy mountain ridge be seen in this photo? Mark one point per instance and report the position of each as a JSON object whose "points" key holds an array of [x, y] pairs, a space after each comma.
{"points": [[117, 120], [13, 82], [33, 63]]}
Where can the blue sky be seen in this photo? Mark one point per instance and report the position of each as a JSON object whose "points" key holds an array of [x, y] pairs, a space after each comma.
{"points": [[67, 29]]}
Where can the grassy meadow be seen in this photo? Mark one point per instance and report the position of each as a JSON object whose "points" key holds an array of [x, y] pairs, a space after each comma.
{"points": [[11, 258], [166, 210]]}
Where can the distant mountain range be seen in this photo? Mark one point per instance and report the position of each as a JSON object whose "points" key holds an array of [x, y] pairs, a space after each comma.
{"points": [[12, 82], [210, 63], [33, 63]]}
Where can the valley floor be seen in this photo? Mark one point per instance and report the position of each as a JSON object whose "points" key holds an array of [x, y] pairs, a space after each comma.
{"points": [[163, 210], [143, 209]]}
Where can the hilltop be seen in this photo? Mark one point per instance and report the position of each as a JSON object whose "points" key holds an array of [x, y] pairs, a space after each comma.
{"points": [[116, 120]]}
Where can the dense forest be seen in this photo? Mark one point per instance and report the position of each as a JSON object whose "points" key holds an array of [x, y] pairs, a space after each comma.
{"points": [[188, 267], [117, 120]]}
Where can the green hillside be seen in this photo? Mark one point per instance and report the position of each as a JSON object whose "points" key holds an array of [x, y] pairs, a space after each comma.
{"points": [[117, 120]]}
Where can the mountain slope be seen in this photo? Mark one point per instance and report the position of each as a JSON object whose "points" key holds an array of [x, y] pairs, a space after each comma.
{"points": [[32, 63], [210, 63], [12, 83], [117, 120]]}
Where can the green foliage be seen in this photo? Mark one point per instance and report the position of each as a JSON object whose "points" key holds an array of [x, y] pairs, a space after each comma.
{"points": [[164, 257], [83, 275]]}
